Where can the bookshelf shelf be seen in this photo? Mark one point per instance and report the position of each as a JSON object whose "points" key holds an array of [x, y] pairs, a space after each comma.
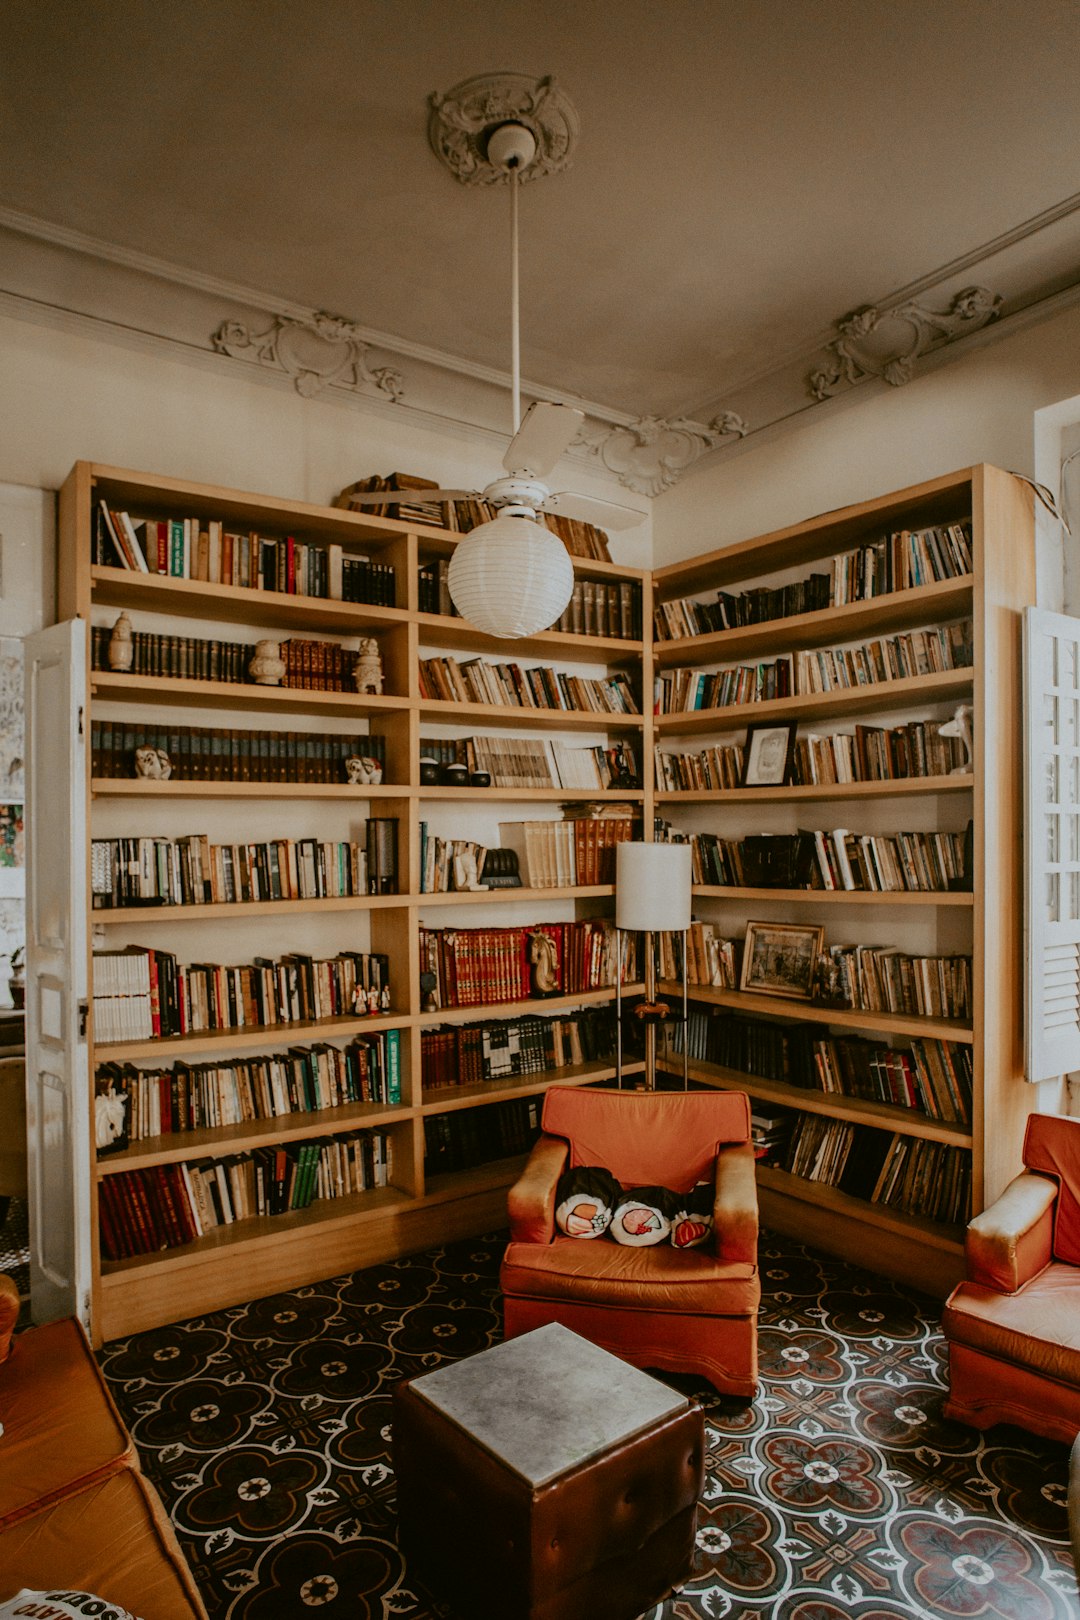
{"points": [[164, 1047], [446, 1099], [545, 795], [853, 1110], [882, 695], [811, 1012], [840, 897], [443, 630], [133, 787], [837, 1203], [896, 610], [510, 896], [894, 787], [492, 714], [497, 1175], [238, 604], [132, 916], [113, 688], [241, 1138], [515, 1009]]}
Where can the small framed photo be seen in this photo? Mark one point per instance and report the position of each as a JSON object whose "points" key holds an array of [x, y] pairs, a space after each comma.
{"points": [[769, 755], [780, 959]]}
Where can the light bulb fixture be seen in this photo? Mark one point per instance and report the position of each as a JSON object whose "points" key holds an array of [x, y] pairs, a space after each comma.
{"points": [[511, 577]]}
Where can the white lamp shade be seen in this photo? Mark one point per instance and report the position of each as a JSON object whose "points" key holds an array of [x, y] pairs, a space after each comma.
{"points": [[511, 577], [652, 886]]}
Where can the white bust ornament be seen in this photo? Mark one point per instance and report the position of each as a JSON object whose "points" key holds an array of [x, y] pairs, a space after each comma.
{"points": [[121, 645], [368, 675], [267, 668]]}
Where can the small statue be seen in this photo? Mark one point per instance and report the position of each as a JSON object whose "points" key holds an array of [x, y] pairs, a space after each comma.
{"points": [[267, 668], [110, 1118], [544, 961], [153, 763], [960, 726], [368, 675], [467, 872], [362, 770], [121, 645], [429, 1001]]}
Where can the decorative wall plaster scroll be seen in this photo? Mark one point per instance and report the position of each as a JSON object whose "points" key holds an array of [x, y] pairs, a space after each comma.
{"points": [[315, 352], [461, 120], [650, 454], [887, 343]]}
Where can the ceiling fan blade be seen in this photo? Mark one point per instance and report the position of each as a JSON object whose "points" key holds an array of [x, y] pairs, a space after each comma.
{"points": [[545, 433], [413, 497], [602, 514]]}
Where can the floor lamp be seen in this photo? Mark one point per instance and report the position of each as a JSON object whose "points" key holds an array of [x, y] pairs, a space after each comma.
{"points": [[652, 895]]}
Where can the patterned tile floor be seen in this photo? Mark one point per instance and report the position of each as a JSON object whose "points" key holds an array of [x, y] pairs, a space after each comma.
{"points": [[842, 1492]]}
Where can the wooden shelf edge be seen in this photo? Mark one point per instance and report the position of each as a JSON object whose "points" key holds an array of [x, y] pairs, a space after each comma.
{"points": [[932, 1233], [103, 787], [845, 700], [218, 910], [946, 1029], [160, 1048], [847, 897], [449, 1099], [436, 709], [513, 1009], [889, 788], [215, 1142]]}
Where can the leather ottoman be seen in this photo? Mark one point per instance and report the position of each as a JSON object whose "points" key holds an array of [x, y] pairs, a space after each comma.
{"points": [[545, 1479]]}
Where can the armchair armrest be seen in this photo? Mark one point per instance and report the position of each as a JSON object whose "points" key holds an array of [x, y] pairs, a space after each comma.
{"points": [[1011, 1242], [531, 1200], [735, 1203]]}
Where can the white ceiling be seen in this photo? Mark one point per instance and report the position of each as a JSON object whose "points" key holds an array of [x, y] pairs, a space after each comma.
{"points": [[746, 173]]}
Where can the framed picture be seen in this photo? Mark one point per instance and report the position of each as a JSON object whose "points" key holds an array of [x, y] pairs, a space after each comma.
{"points": [[769, 755], [780, 959]]}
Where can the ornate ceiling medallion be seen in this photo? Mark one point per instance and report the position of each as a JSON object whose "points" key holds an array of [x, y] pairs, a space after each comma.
{"points": [[650, 454], [886, 343], [462, 119], [315, 352]]}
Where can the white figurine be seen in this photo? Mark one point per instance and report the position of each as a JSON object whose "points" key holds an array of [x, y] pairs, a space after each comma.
{"points": [[960, 726], [121, 645], [110, 1113], [466, 872], [267, 667], [362, 770], [368, 674], [153, 763]]}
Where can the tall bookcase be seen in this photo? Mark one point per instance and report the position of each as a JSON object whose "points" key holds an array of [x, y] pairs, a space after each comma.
{"points": [[261, 1254], [418, 1208], [985, 922]]}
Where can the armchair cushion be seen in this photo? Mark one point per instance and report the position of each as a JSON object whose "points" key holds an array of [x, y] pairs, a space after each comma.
{"points": [[642, 1217], [675, 1149], [1052, 1146], [691, 1282], [1037, 1328], [585, 1201]]}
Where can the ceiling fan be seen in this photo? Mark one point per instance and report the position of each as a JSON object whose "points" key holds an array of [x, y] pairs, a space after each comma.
{"points": [[512, 576]]}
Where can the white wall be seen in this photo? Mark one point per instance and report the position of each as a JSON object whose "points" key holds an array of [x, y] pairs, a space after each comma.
{"points": [[977, 407]]}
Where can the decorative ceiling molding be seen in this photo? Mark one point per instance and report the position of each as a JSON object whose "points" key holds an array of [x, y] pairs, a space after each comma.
{"points": [[886, 343], [649, 455], [462, 118], [315, 350]]}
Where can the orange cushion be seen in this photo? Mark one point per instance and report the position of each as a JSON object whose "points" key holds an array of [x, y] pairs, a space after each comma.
{"points": [[61, 1429], [690, 1281], [1052, 1146], [647, 1138], [1037, 1328], [9, 1313], [112, 1539]]}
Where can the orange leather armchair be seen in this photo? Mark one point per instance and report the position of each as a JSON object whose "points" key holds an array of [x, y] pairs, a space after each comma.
{"points": [[679, 1310], [1014, 1326]]}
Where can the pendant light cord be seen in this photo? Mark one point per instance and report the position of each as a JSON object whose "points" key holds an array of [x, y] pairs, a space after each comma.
{"points": [[515, 335]]}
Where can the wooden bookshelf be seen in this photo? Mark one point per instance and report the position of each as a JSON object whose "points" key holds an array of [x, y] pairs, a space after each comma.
{"points": [[262, 1255]]}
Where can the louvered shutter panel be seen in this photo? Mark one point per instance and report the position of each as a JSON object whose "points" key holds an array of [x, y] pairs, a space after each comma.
{"points": [[1052, 840]]}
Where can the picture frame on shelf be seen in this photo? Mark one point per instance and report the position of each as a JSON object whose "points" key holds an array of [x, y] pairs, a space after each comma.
{"points": [[780, 959], [769, 755]]}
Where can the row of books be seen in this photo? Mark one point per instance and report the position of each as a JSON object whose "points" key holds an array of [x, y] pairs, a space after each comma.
{"points": [[140, 993], [507, 1048], [931, 1076], [192, 871], [203, 549], [918, 862], [818, 669], [201, 754], [595, 608], [510, 686], [580, 539], [204, 1096], [867, 978], [477, 967], [868, 754], [146, 1211], [310, 666], [916, 1177], [901, 561], [561, 854], [472, 1136], [523, 762]]}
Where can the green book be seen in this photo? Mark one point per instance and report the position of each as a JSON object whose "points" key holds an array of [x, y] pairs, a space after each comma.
{"points": [[393, 1066]]}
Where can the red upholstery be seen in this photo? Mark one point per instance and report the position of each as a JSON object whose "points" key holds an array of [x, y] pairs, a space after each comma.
{"points": [[689, 1310], [1014, 1326]]}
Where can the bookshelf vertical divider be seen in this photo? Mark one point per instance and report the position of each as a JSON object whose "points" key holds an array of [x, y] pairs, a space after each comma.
{"points": [[261, 1254]]}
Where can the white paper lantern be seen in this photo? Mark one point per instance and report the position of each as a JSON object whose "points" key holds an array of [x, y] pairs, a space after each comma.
{"points": [[511, 577]]}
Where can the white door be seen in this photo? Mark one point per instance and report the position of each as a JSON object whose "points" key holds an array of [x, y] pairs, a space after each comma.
{"points": [[57, 1087]]}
